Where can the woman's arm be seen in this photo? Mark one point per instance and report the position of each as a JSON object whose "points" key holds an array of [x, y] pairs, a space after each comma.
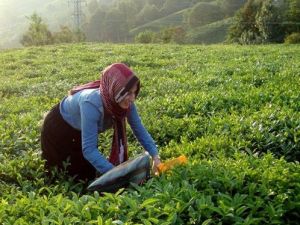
{"points": [[141, 133], [90, 116]]}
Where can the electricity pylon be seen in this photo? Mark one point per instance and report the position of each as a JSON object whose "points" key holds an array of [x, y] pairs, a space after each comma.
{"points": [[77, 12]]}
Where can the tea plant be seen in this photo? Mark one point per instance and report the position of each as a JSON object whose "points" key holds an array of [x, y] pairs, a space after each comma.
{"points": [[233, 110]]}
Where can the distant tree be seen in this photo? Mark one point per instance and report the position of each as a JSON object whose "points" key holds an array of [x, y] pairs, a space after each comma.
{"points": [[37, 33], [113, 22], [129, 10], [258, 21], [204, 13], [269, 22], [115, 26], [79, 36], [145, 37], [166, 35], [179, 35], [65, 35], [244, 29], [174, 34], [95, 28], [293, 16]]}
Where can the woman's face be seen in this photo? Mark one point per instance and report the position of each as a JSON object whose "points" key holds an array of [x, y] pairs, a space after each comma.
{"points": [[129, 98]]}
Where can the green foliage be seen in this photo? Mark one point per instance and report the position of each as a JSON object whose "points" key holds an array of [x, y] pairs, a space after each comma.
{"points": [[292, 16], [38, 32], [159, 16], [233, 110], [265, 22], [244, 29], [268, 21], [65, 35], [168, 35], [256, 22], [115, 25], [173, 34], [293, 38], [145, 37], [122, 20], [95, 27]]}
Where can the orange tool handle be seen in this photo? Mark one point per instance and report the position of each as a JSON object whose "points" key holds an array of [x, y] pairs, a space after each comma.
{"points": [[163, 167]]}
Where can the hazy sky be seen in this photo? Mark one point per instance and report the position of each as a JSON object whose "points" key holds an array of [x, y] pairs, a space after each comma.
{"points": [[13, 13]]}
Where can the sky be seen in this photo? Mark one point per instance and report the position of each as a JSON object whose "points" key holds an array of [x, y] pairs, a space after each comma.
{"points": [[13, 21]]}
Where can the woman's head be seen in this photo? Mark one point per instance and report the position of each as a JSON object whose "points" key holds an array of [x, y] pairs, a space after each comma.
{"points": [[129, 98], [119, 87]]}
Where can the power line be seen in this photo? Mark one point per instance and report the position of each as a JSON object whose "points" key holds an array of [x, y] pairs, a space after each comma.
{"points": [[77, 12]]}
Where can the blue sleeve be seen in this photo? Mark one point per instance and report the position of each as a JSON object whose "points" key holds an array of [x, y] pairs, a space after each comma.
{"points": [[140, 132], [89, 135]]}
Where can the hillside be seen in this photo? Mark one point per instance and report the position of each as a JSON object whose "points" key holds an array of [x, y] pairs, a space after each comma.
{"points": [[234, 111], [211, 33], [175, 19]]}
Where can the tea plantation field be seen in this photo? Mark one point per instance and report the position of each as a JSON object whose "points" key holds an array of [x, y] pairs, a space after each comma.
{"points": [[234, 111]]}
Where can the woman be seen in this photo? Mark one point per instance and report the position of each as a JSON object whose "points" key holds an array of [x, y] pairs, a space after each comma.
{"points": [[70, 130]]}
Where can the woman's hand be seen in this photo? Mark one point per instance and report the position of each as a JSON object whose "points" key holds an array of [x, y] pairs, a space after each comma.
{"points": [[156, 162]]}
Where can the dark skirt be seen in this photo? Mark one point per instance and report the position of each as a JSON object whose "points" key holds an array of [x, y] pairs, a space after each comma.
{"points": [[61, 147]]}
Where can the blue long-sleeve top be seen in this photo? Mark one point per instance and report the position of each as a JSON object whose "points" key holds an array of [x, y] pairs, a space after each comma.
{"points": [[84, 111]]}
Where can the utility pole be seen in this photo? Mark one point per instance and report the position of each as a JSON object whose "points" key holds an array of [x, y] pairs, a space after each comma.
{"points": [[77, 13]]}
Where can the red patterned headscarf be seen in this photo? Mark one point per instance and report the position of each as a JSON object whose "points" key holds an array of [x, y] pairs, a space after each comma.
{"points": [[117, 79]]}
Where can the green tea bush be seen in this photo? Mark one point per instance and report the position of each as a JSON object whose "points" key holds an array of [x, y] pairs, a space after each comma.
{"points": [[145, 37], [240, 190], [293, 38], [232, 110]]}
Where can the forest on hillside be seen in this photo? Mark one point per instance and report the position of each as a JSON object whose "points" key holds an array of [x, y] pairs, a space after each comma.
{"points": [[123, 20], [160, 21], [193, 21]]}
